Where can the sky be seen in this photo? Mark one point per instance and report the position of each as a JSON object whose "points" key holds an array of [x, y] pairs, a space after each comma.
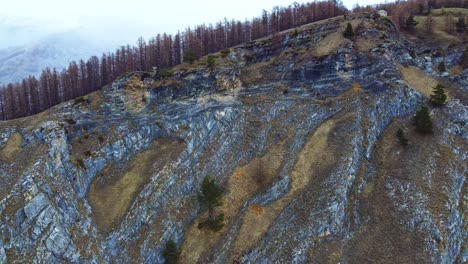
{"points": [[122, 20]]}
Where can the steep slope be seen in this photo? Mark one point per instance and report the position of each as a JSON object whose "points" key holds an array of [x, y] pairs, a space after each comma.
{"points": [[300, 134]]}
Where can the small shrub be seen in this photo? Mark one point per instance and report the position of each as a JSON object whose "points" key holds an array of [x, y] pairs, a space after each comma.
{"points": [[80, 100], [422, 121], [225, 53], [101, 138], [171, 252], [215, 224], [285, 91], [441, 67], [295, 33], [402, 138], [166, 73], [210, 196], [461, 25], [190, 56], [80, 163], [349, 32], [438, 96], [411, 23], [125, 74], [412, 54], [70, 121], [383, 36], [211, 60], [87, 153]]}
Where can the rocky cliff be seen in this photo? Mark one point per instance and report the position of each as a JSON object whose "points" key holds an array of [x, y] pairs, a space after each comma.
{"points": [[300, 133]]}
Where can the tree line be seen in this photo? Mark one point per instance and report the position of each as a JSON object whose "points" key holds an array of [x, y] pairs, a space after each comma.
{"points": [[400, 11], [33, 95]]}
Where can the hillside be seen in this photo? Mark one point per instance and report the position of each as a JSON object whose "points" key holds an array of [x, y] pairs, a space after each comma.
{"points": [[300, 134]]}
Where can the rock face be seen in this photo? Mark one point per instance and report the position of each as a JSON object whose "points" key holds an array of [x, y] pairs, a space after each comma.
{"points": [[300, 135]]}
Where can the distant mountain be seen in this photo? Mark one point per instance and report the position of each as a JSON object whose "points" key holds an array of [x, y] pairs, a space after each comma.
{"points": [[55, 50], [27, 45]]}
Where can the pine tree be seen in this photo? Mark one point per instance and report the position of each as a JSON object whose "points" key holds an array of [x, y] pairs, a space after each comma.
{"points": [[441, 67], [349, 32], [211, 61], [461, 26], [171, 252], [422, 121], [190, 56], [210, 196], [438, 96], [401, 137], [411, 23]]}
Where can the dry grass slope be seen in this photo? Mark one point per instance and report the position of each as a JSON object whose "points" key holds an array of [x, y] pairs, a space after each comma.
{"points": [[112, 193], [418, 79], [12, 146], [244, 182]]}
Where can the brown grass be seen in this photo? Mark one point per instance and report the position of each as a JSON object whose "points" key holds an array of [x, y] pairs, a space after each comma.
{"points": [[357, 87], [439, 34], [256, 73], [13, 206], [365, 45], [135, 95], [383, 239], [418, 79], [113, 191], [313, 155], [14, 159], [96, 99], [12, 146], [242, 184], [331, 42], [84, 145], [456, 70]]}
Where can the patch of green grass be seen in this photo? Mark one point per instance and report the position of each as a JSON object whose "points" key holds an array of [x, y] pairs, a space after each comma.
{"points": [[81, 100], [225, 53], [453, 11], [166, 73]]}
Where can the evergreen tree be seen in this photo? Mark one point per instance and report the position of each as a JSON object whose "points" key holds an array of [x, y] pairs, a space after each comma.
{"points": [[441, 67], [438, 96], [401, 137], [411, 23], [349, 32], [171, 252], [211, 61], [422, 121], [190, 56], [461, 26], [210, 196]]}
